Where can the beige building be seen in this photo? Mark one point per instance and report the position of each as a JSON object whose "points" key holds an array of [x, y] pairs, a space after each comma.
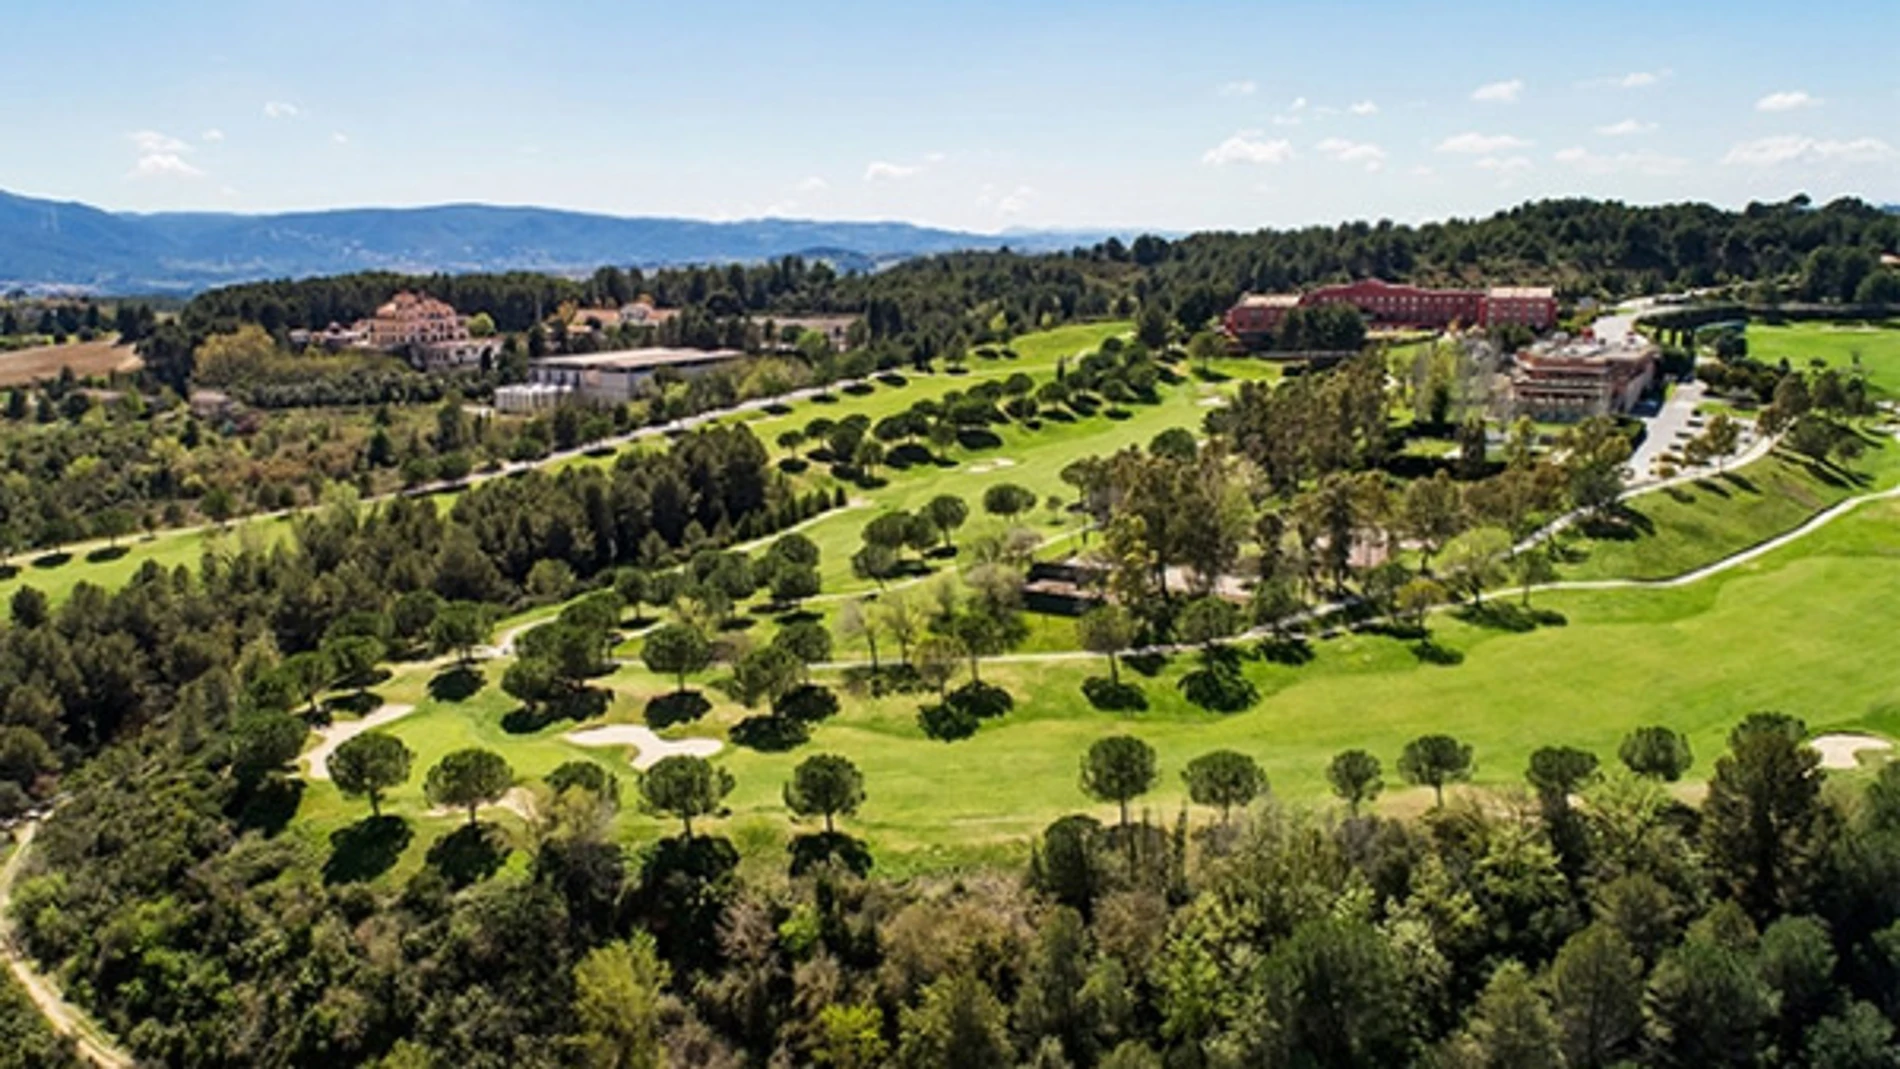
{"points": [[1570, 379]]}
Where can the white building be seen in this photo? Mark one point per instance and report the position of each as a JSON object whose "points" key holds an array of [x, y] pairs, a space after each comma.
{"points": [[528, 397], [615, 378]]}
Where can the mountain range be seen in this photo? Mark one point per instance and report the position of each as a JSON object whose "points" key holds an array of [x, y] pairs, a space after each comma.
{"points": [[51, 245]]}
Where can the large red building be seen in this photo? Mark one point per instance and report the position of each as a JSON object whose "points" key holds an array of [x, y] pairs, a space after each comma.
{"points": [[1390, 305]]}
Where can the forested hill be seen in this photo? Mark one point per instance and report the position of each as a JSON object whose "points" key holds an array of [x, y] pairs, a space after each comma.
{"points": [[46, 243]]}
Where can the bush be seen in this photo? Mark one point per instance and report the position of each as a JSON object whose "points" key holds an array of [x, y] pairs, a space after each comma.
{"points": [[981, 700], [808, 703], [946, 722], [1110, 696], [770, 734]]}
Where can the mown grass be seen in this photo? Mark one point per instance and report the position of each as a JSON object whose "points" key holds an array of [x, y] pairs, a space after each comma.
{"points": [[1875, 349], [1667, 532], [1802, 630]]}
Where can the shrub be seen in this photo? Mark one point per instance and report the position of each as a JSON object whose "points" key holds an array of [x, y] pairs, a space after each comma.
{"points": [[770, 734], [808, 703], [1109, 696], [947, 722], [985, 701]]}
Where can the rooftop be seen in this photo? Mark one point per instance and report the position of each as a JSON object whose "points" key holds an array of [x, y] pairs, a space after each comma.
{"points": [[638, 359], [1270, 300], [1522, 293]]}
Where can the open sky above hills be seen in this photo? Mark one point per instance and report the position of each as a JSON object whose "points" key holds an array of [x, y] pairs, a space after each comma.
{"points": [[978, 115]]}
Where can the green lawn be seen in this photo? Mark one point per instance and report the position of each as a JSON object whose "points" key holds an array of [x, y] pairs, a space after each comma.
{"points": [[1801, 630], [1838, 345], [56, 573], [1678, 529]]}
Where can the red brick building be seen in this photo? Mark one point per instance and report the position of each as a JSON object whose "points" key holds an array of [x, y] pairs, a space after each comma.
{"points": [[1392, 305]]}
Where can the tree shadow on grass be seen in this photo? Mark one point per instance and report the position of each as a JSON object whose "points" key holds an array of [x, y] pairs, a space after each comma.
{"points": [[1430, 652], [770, 733], [356, 703], [678, 707], [106, 553], [1113, 697], [366, 849], [8, 571], [55, 559], [584, 704], [1740, 482], [1292, 651], [1498, 616], [1148, 664], [469, 854], [457, 684], [1623, 524], [858, 389], [794, 465], [811, 851], [974, 438]]}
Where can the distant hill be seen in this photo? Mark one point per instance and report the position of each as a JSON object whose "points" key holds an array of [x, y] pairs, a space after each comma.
{"points": [[48, 244]]}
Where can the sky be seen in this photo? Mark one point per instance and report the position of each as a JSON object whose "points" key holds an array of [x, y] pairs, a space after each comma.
{"points": [[982, 114]]}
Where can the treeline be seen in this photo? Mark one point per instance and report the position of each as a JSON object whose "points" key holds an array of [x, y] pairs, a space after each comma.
{"points": [[222, 644], [1591, 920]]}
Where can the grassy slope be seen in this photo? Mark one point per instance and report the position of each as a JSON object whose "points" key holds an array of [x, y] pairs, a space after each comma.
{"points": [[1675, 530]]}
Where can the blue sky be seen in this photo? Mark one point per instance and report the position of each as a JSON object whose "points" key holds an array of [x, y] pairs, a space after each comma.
{"points": [[980, 114]]}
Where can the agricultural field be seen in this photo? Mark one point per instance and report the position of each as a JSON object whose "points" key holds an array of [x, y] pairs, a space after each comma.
{"points": [[86, 359]]}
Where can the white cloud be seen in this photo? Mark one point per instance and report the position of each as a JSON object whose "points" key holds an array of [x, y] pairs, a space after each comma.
{"points": [[884, 169], [1423, 171], [1499, 92], [813, 185], [1286, 120], [1791, 148], [340, 138], [1506, 165], [212, 135], [1648, 163], [1248, 146], [277, 109], [1244, 87], [1787, 100], [1364, 107], [934, 157], [1299, 104], [1360, 152], [1641, 79], [1627, 128], [151, 141], [164, 165], [1476, 144]]}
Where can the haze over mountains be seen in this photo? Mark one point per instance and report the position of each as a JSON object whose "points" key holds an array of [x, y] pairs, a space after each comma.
{"points": [[47, 244]]}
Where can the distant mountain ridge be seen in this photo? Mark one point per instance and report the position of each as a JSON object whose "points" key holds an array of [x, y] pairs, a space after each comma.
{"points": [[47, 244]]}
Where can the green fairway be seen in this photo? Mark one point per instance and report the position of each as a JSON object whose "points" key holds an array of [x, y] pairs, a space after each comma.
{"points": [[1675, 530], [1799, 631], [55, 574], [1874, 349]]}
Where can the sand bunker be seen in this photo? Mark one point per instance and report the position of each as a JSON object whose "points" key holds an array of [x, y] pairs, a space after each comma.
{"points": [[340, 732], [1843, 751], [650, 746], [1212, 402], [984, 467]]}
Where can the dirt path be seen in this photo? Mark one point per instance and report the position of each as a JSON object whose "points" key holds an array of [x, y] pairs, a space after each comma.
{"points": [[64, 1017], [335, 735]]}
